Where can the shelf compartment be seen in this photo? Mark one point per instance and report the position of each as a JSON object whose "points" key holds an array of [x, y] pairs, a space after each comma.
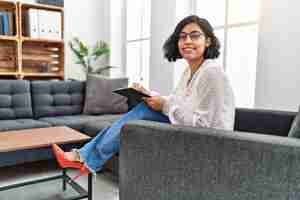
{"points": [[42, 58], [41, 14], [8, 59], [10, 10]]}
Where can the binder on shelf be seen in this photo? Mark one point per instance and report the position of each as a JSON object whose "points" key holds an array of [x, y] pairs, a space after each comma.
{"points": [[33, 23], [42, 20], [10, 16], [49, 24], [1, 24], [5, 23], [56, 25]]}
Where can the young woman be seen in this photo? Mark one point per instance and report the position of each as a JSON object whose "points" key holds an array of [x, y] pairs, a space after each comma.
{"points": [[203, 97]]}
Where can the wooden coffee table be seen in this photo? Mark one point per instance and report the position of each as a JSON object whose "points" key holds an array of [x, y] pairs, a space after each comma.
{"points": [[43, 137]]}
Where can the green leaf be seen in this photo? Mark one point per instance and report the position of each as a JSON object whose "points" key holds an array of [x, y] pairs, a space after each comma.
{"points": [[85, 54], [100, 49]]}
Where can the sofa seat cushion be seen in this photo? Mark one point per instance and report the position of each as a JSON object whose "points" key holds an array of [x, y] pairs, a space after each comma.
{"points": [[74, 121], [17, 124], [93, 127]]}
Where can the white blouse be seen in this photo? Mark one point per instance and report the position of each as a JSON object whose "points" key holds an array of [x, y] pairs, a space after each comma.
{"points": [[206, 101]]}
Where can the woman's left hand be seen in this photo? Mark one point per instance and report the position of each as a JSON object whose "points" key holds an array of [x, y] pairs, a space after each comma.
{"points": [[156, 102]]}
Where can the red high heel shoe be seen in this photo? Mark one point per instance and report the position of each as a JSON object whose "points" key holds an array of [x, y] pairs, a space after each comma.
{"points": [[64, 163]]}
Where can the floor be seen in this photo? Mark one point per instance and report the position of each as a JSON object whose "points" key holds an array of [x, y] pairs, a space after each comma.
{"points": [[105, 186]]}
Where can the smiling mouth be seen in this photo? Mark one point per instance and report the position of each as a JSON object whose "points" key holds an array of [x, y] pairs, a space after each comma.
{"points": [[188, 48]]}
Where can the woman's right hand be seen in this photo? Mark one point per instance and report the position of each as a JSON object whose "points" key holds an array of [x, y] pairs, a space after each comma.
{"points": [[140, 88]]}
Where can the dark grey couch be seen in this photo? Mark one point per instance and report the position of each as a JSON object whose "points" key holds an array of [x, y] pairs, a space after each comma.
{"points": [[36, 104], [256, 161]]}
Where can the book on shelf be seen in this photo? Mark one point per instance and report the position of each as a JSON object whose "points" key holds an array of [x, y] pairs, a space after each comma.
{"points": [[1, 24], [6, 23], [11, 22]]}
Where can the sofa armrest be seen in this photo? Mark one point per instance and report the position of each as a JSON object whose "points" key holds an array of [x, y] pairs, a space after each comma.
{"points": [[161, 161], [263, 121]]}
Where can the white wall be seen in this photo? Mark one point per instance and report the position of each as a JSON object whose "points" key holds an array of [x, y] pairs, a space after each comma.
{"points": [[117, 37], [162, 25], [278, 69], [90, 22]]}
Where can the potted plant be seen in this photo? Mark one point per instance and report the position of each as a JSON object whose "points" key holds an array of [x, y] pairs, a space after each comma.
{"points": [[87, 56]]}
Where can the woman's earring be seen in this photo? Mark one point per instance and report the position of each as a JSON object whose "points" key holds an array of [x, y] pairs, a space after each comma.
{"points": [[208, 42]]}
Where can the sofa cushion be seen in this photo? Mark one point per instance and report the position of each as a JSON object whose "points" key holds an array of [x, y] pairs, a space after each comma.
{"points": [[99, 97], [270, 122], [75, 121], [17, 124], [295, 128], [92, 128], [57, 98], [15, 99]]}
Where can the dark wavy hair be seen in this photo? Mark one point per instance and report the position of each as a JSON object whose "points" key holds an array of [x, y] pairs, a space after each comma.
{"points": [[170, 48]]}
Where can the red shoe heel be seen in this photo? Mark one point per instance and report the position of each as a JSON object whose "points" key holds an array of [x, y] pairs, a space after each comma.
{"points": [[63, 162], [83, 171]]}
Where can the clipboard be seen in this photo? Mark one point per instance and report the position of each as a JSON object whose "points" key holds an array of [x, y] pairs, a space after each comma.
{"points": [[131, 93]]}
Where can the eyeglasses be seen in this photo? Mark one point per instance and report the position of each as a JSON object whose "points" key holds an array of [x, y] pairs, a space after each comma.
{"points": [[194, 36]]}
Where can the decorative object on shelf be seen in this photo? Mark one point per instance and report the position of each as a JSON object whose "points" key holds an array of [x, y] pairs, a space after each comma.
{"points": [[59, 3], [44, 67], [87, 56]]}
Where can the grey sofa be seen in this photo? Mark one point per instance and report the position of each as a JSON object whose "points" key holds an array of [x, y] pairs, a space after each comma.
{"points": [[36, 104], [256, 161]]}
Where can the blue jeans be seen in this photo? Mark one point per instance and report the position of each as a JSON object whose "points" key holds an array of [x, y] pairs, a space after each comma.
{"points": [[107, 142]]}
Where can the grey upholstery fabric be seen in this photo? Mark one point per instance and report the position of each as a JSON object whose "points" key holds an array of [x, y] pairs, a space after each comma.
{"points": [[99, 97], [92, 128], [295, 128], [269, 122], [75, 121], [57, 98], [18, 124], [15, 99], [160, 161]]}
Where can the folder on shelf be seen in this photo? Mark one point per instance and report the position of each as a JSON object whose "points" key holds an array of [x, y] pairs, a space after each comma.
{"points": [[56, 25], [42, 16], [33, 23], [50, 24]]}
